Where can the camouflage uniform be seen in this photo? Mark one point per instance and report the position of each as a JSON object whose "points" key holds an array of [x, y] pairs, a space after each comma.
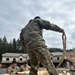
{"points": [[32, 39], [25, 67], [11, 69]]}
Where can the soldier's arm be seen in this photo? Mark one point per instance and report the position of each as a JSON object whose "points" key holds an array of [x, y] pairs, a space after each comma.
{"points": [[29, 67], [48, 26], [20, 68], [9, 70], [57, 28]]}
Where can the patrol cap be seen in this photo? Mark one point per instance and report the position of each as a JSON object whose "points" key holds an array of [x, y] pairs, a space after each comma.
{"points": [[14, 62], [37, 17], [25, 62]]}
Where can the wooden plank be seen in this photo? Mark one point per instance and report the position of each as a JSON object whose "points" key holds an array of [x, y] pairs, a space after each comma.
{"points": [[42, 72]]}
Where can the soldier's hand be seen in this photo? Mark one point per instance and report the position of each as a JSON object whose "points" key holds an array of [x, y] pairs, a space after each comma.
{"points": [[63, 32]]}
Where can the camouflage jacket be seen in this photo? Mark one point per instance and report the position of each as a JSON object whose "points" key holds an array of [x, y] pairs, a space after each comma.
{"points": [[34, 29], [11, 69], [25, 68]]}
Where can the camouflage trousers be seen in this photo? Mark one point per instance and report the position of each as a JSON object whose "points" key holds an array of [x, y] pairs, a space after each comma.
{"points": [[38, 52]]}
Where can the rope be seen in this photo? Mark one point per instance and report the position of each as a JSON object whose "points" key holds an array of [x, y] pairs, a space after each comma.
{"points": [[64, 50]]}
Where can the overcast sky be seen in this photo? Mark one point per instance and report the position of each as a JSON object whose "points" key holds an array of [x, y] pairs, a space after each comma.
{"points": [[15, 14]]}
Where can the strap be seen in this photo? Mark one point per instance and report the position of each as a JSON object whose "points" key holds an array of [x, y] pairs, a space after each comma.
{"points": [[64, 50]]}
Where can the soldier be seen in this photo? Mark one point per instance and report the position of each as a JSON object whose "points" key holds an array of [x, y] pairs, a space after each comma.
{"points": [[31, 37], [25, 67], [13, 68]]}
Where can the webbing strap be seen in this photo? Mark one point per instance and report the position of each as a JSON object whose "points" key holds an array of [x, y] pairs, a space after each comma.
{"points": [[64, 50]]}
